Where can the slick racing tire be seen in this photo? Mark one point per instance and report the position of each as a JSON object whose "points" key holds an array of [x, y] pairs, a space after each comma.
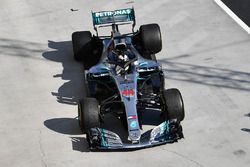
{"points": [[88, 114], [174, 106], [86, 48], [150, 37], [81, 44]]}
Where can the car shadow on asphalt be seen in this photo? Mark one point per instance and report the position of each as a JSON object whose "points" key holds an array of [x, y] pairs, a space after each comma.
{"points": [[246, 130], [72, 89], [80, 144], [69, 126], [247, 115]]}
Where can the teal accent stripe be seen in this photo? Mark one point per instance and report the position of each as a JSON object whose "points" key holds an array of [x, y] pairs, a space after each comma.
{"points": [[103, 139]]}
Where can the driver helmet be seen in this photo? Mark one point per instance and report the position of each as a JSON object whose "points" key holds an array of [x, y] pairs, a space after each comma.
{"points": [[120, 47]]}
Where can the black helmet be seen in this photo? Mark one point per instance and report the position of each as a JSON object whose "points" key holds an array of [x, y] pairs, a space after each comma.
{"points": [[120, 44]]}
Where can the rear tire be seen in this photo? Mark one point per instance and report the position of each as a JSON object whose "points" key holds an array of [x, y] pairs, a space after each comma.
{"points": [[86, 48], [81, 44], [88, 114], [150, 37], [174, 106]]}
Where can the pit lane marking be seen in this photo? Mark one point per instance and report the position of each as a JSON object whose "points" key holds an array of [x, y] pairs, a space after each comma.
{"points": [[233, 15]]}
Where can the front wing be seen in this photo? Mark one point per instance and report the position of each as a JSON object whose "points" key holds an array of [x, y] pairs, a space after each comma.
{"points": [[166, 132]]}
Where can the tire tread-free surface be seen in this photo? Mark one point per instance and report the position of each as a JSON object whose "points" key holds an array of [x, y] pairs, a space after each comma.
{"points": [[151, 41], [90, 113], [174, 103], [81, 42]]}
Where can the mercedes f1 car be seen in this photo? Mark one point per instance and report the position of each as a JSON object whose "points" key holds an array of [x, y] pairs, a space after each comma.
{"points": [[123, 78]]}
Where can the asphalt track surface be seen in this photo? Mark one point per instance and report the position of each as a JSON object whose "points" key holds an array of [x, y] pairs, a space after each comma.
{"points": [[205, 55]]}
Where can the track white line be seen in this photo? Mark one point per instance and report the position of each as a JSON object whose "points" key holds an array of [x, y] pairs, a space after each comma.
{"points": [[234, 16]]}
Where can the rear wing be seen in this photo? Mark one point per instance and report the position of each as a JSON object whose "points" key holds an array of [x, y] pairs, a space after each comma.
{"points": [[118, 17]]}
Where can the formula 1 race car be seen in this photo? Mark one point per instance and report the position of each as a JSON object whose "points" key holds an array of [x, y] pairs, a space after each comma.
{"points": [[123, 78]]}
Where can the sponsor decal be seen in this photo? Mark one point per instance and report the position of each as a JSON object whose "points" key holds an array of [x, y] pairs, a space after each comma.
{"points": [[132, 117], [134, 135], [115, 13], [133, 124], [128, 92]]}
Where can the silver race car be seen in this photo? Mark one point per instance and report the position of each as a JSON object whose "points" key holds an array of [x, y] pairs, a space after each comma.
{"points": [[123, 78]]}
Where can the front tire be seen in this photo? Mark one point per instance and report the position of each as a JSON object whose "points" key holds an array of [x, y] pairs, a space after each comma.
{"points": [[174, 106], [88, 114]]}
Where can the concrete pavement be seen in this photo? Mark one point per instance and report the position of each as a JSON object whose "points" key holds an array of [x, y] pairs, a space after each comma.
{"points": [[205, 55]]}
